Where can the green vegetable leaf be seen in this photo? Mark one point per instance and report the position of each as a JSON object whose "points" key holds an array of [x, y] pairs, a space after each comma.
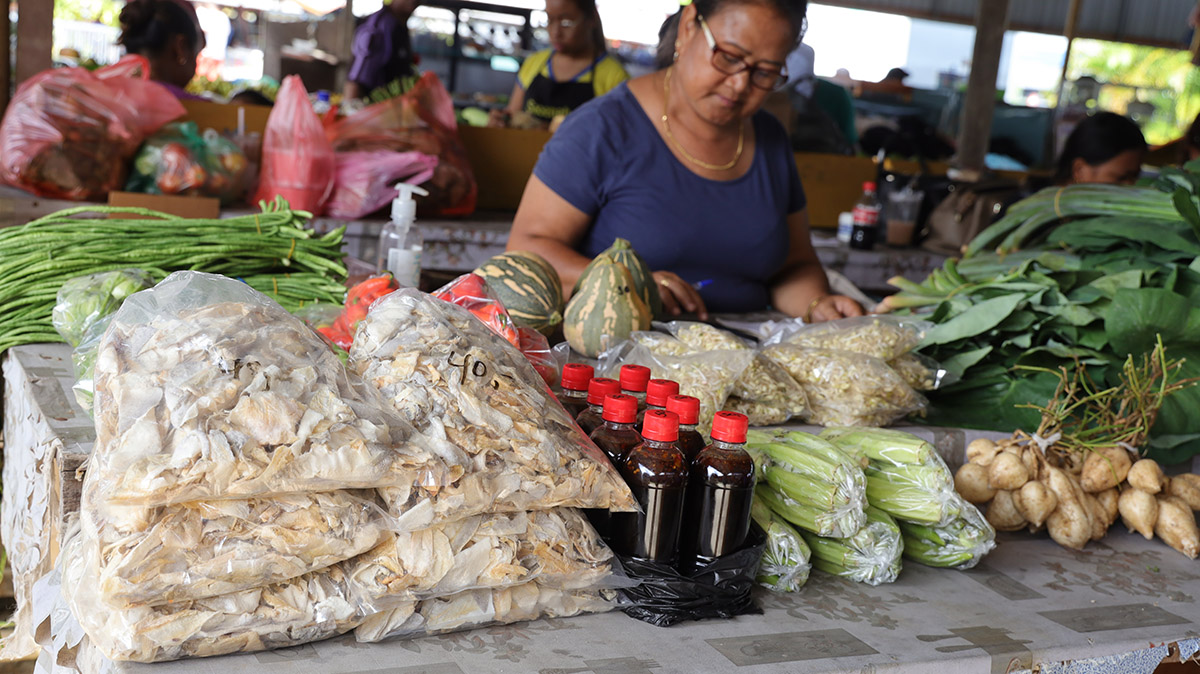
{"points": [[1137, 316], [962, 361], [976, 320], [1109, 285], [1187, 208]]}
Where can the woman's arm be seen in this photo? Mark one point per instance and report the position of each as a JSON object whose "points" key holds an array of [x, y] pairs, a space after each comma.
{"points": [[802, 289], [550, 226], [516, 103]]}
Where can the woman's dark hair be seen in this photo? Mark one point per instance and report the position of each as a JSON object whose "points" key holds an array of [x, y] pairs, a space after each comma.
{"points": [[795, 11], [1192, 138], [1098, 139], [588, 8], [147, 25]]}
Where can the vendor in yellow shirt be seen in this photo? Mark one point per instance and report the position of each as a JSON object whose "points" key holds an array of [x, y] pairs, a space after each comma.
{"points": [[576, 69]]}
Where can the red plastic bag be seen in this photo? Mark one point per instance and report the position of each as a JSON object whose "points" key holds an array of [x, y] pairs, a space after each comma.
{"points": [[297, 160], [70, 133], [365, 180], [421, 120]]}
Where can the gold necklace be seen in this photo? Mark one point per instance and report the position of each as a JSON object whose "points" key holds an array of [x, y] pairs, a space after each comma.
{"points": [[687, 155]]}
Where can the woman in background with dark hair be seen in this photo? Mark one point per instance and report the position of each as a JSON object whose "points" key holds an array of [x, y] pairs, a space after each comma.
{"points": [[685, 165], [576, 69], [167, 33], [1105, 148]]}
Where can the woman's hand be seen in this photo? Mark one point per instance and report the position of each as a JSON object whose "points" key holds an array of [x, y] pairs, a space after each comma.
{"points": [[831, 308], [678, 296], [498, 119]]}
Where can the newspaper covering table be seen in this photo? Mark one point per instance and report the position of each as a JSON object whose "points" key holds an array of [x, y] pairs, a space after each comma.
{"points": [[1113, 607]]}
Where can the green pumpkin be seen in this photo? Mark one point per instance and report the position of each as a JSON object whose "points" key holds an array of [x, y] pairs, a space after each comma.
{"points": [[605, 309], [528, 287], [621, 251]]}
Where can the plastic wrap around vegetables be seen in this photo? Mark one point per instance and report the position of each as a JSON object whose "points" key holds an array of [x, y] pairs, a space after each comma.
{"points": [[882, 337], [178, 159], [787, 559], [870, 555], [484, 409], [959, 545], [207, 389]]}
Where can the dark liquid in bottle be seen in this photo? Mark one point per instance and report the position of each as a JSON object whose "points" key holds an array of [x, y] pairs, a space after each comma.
{"points": [[574, 404], [690, 442], [589, 420], [720, 489], [657, 476], [616, 443]]}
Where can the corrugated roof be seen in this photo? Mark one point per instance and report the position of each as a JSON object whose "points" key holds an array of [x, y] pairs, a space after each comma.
{"points": [[1154, 22]]}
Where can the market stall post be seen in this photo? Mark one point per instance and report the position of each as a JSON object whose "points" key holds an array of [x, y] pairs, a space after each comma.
{"points": [[991, 21], [35, 42], [1069, 31], [5, 61]]}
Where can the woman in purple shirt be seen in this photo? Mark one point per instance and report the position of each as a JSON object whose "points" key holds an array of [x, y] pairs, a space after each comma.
{"points": [[168, 34], [684, 165]]}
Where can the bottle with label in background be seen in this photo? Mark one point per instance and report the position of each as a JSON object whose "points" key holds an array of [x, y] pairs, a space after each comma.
{"points": [[845, 226], [574, 382], [866, 219], [690, 440], [720, 491], [616, 436], [657, 392], [592, 418], [400, 242], [657, 474], [634, 380]]}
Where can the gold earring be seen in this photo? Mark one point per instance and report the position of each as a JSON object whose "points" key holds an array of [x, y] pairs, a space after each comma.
{"points": [[676, 57]]}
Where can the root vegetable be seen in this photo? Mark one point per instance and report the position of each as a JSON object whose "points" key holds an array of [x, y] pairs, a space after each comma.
{"points": [[1184, 490], [1031, 461], [972, 482], [1147, 476], [1139, 511], [1035, 502], [1190, 478], [1176, 525], [1099, 517], [1105, 468], [981, 451], [1109, 499], [1070, 525], [1002, 512], [1007, 472]]}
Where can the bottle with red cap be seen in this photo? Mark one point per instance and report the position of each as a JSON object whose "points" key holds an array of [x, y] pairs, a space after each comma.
{"points": [[575, 380], [634, 380], [657, 474], [657, 392], [866, 219], [616, 436], [592, 418], [721, 489], [690, 440]]}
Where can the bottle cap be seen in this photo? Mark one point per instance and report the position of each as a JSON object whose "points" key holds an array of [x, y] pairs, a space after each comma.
{"points": [[599, 387], [634, 377], [869, 186], [730, 427], [658, 390], [404, 207], [620, 408], [660, 426], [686, 407], [575, 376]]}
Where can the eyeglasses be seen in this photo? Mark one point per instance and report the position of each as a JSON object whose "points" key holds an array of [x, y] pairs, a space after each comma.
{"points": [[731, 64], [565, 24]]}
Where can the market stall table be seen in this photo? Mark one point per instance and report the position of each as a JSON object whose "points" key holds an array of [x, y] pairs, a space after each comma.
{"points": [[1029, 602]]}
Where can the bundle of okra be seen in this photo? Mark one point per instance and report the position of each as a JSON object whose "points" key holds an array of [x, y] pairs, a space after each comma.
{"points": [[274, 252]]}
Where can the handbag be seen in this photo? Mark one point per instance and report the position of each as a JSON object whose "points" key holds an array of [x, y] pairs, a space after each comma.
{"points": [[965, 212]]}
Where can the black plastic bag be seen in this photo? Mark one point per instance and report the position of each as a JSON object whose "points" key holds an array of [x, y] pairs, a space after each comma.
{"points": [[721, 589]]}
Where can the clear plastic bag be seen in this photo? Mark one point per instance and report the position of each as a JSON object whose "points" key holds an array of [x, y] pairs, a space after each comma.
{"points": [[921, 372], [708, 376], [69, 133], [168, 554], [787, 559], [882, 336], [485, 411], [847, 389], [365, 181], [297, 159], [207, 389], [558, 548], [958, 545], [872, 555], [478, 608]]}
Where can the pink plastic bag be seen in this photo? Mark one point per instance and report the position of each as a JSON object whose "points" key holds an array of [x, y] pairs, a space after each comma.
{"points": [[70, 133], [297, 160], [365, 180]]}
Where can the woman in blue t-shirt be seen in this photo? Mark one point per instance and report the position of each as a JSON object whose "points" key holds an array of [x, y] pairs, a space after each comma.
{"points": [[683, 164]]}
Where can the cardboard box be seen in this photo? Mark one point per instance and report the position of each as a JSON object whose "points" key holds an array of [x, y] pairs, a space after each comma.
{"points": [[502, 160], [222, 117], [184, 207], [832, 183]]}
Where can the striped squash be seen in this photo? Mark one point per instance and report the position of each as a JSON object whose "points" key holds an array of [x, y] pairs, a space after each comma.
{"points": [[605, 310], [622, 251], [527, 286]]}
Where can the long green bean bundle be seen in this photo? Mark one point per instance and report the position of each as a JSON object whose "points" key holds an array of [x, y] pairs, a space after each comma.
{"points": [[273, 252]]}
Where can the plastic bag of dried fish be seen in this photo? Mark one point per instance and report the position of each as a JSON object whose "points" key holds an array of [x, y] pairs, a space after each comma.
{"points": [[162, 554], [207, 389], [311, 607], [485, 411], [765, 392], [468, 610], [921, 372], [884, 337], [709, 376], [556, 547], [847, 389]]}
